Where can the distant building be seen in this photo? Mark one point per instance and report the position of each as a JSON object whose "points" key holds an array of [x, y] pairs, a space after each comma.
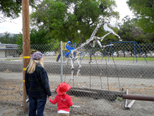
{"points": [[7, 50]]}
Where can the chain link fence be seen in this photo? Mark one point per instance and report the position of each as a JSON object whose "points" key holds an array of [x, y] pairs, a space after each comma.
{"points": [[97, 87]]}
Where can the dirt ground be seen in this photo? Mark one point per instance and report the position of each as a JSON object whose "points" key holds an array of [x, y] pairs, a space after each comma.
{"points": [[11, 98], [140, 108], [17, 110]]}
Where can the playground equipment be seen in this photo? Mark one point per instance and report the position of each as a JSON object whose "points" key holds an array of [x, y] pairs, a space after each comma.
{"points": [[65, 50], [58, 52], [135, 45]]}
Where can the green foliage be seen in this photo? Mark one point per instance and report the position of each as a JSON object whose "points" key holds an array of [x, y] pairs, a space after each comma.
{"points": [[65, 17], [19, 40], [130, 32], [125, 31], [8, 39], [119, 99], [144, 12], [12, 8], [40, 37], [36, 37]]}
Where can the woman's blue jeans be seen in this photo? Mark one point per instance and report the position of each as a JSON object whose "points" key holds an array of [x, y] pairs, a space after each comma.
{"points": [[36, 106]]}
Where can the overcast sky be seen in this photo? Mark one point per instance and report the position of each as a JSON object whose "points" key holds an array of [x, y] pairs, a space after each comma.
{"points": [[15, 26]]}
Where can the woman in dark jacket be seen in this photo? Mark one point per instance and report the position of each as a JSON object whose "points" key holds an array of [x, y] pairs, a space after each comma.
{"points": [[37, 85]]}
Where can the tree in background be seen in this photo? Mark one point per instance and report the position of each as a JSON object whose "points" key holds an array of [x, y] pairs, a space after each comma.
{"points": [[128, 29], [130, 32], [40, 37], [144, 12], [7, 38], [72, 20], [12, 8]]}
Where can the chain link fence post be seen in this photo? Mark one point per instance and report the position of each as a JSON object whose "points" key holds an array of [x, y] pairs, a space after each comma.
{"points": [[61, 52]]}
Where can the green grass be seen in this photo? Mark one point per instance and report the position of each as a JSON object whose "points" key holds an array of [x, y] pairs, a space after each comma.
{"points": [[122, 58], [10, 59]]}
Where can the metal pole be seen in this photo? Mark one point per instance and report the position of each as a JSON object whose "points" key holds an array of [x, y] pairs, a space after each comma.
{"points": [[138, 97], [130, 104], [142, 53], [26, 45], [61, 52]]}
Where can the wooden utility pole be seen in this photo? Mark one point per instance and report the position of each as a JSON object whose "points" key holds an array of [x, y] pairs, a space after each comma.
{"points": [[26, 45]]}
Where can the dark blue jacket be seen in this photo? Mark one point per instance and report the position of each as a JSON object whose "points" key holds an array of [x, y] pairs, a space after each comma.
{"points": [[37, 83]]}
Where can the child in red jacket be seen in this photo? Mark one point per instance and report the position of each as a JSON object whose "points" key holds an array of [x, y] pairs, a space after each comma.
{"points": [[62, 99]]}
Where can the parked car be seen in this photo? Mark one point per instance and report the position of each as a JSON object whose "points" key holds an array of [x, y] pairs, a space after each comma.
{"points": [[127, 54], [143, 54], [121, 53], [49, 53], [149, 54], [98, 53], [115, 54], [87, 54], [152, 53], [136, 55]]}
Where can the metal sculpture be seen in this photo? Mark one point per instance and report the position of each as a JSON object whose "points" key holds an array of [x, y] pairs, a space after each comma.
{"points": [[72, 54], [72, 57]]}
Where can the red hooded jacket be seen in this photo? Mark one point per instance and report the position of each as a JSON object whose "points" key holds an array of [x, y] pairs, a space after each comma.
{"points": [[63, 102]]}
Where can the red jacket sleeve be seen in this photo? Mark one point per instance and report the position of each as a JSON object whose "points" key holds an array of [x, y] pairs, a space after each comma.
{"points": [[53, 101]]}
